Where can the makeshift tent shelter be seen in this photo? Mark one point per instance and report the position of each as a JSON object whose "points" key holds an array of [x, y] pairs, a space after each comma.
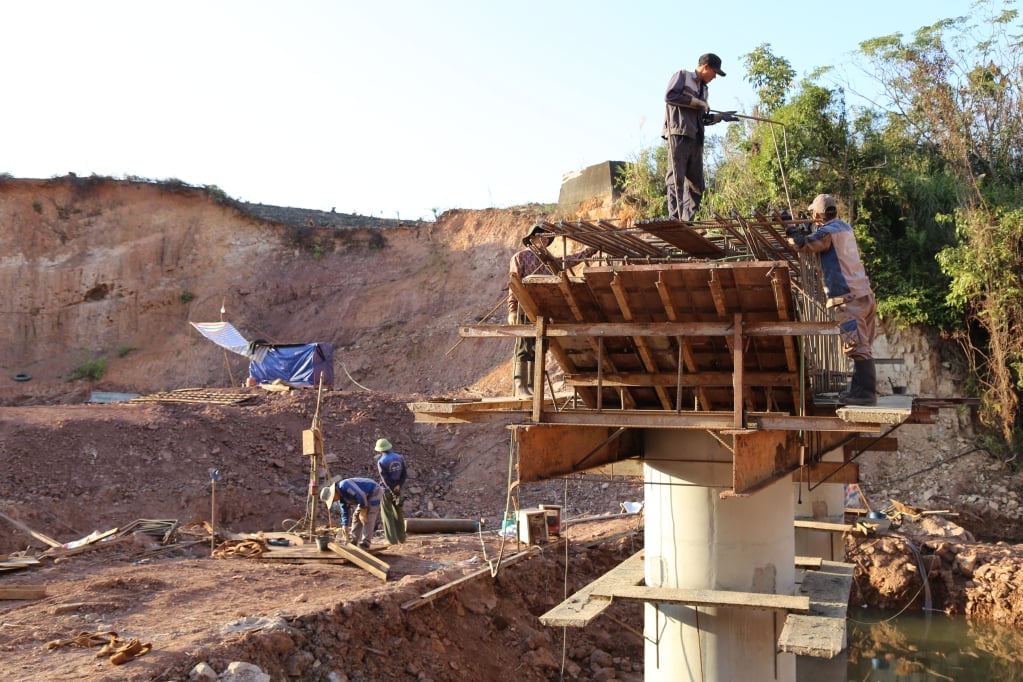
{"points": [[296, 364]]}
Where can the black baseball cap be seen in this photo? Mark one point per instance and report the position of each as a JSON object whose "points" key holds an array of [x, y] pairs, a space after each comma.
{"points": [[713, 61]]}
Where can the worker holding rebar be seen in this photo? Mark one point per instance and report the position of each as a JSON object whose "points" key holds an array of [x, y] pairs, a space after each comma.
{"points": [[393, 472], [686, 113], [358, 502], [533, 259], [848, 290]]}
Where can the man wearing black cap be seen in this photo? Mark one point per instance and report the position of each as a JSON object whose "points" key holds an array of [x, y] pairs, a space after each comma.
{"points": [[686, 114]]}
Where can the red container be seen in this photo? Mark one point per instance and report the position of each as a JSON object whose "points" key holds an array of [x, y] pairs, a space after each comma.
{"points": [[553, 514]]}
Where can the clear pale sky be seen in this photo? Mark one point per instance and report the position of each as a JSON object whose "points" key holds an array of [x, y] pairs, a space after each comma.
{"points": [[389, 108]]}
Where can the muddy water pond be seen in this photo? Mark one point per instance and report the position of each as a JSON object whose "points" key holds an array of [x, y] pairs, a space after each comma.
{"points": [[916, 646]]}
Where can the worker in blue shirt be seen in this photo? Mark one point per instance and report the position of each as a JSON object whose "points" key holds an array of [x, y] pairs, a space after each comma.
{"points": [[393, 473], [358, 500]]}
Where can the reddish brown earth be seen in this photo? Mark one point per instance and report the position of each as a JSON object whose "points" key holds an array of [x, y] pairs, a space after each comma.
{"points": [[99, 269]]}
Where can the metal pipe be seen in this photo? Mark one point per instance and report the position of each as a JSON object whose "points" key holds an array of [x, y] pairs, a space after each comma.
{"points": [[424, 526]]}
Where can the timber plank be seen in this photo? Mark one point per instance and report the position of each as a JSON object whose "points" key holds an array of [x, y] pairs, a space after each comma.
{"points": [[582, 608], [361, 558], [813, 562], [752, 600], [828, 472], [22, 591], [432, 595], [14, 563], [824, 525]]}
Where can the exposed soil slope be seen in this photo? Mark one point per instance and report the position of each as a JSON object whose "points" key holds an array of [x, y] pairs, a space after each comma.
{"points": [[102, 270]]}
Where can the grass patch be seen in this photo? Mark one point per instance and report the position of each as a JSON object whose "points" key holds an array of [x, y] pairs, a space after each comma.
{"points": [[90, 369]]}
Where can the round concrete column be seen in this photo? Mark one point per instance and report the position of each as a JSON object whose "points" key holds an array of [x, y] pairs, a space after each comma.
{"points": [[826, 502], [696, 540]]}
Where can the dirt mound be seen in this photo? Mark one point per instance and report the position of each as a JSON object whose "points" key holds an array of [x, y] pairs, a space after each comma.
{"points": [[328, 622]]}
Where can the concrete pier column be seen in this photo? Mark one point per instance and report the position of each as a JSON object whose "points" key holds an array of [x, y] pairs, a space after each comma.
{"points": [[826, 502], [696, 540]]}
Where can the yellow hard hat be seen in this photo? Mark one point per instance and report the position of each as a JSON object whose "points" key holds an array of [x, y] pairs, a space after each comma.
{"points": [[383, 445]]}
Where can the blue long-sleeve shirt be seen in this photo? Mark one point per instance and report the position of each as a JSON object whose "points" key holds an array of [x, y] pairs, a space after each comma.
{"points": [[355, 493], [393, 471]]}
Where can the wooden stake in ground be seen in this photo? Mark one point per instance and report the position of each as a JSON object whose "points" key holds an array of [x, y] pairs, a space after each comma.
{"points": [[312, 446], [214, 477]]}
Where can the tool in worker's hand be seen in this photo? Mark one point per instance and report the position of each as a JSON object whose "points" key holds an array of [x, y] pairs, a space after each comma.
{"points": [[732, 115]]}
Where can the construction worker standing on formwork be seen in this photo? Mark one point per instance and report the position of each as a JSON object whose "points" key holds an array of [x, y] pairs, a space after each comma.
{"points": [[535, 259], [686, 113], [848, 291], [524, 263], [358, 500], [393, 472]]}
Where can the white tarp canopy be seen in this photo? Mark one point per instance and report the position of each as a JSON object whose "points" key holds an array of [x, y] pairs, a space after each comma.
{"points": [[226, 336]]}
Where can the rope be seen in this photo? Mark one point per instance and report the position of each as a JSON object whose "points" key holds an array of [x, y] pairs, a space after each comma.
{"points": [[495, 568], [350, 378], [246, 549], [889, 481]]}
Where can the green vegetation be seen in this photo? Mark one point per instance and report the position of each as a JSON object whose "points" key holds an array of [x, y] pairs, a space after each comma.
{"points": [[90, 369], [124, 349], [186, 296], [930, 177]]}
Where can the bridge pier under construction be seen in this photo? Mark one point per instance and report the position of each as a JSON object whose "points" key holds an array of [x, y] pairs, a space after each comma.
{"points": [[700, 357]]}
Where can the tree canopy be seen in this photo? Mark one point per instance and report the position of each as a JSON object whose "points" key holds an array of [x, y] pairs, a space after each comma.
{"points": [[929, 175]]}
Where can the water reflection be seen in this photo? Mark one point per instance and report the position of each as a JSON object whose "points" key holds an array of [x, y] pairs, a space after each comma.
{"points": [[914, 647]]}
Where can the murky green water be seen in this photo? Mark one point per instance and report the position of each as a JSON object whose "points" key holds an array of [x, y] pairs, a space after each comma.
{"points": [[915, 647]]}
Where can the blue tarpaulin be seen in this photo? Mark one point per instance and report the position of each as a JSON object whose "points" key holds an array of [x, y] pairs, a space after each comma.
{"points": [[297, 364]]}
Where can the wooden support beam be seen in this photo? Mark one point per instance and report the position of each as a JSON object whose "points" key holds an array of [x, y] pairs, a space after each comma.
{"points": [[824, 526], [444, 589], [723, 329], [546, 451], [22, 591], [728, 598], [813, 562], [642, 346], [782, 379], [582, 608], [361, 558], [762, 457], [539, 368], [828, 472], [738, 367]]}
